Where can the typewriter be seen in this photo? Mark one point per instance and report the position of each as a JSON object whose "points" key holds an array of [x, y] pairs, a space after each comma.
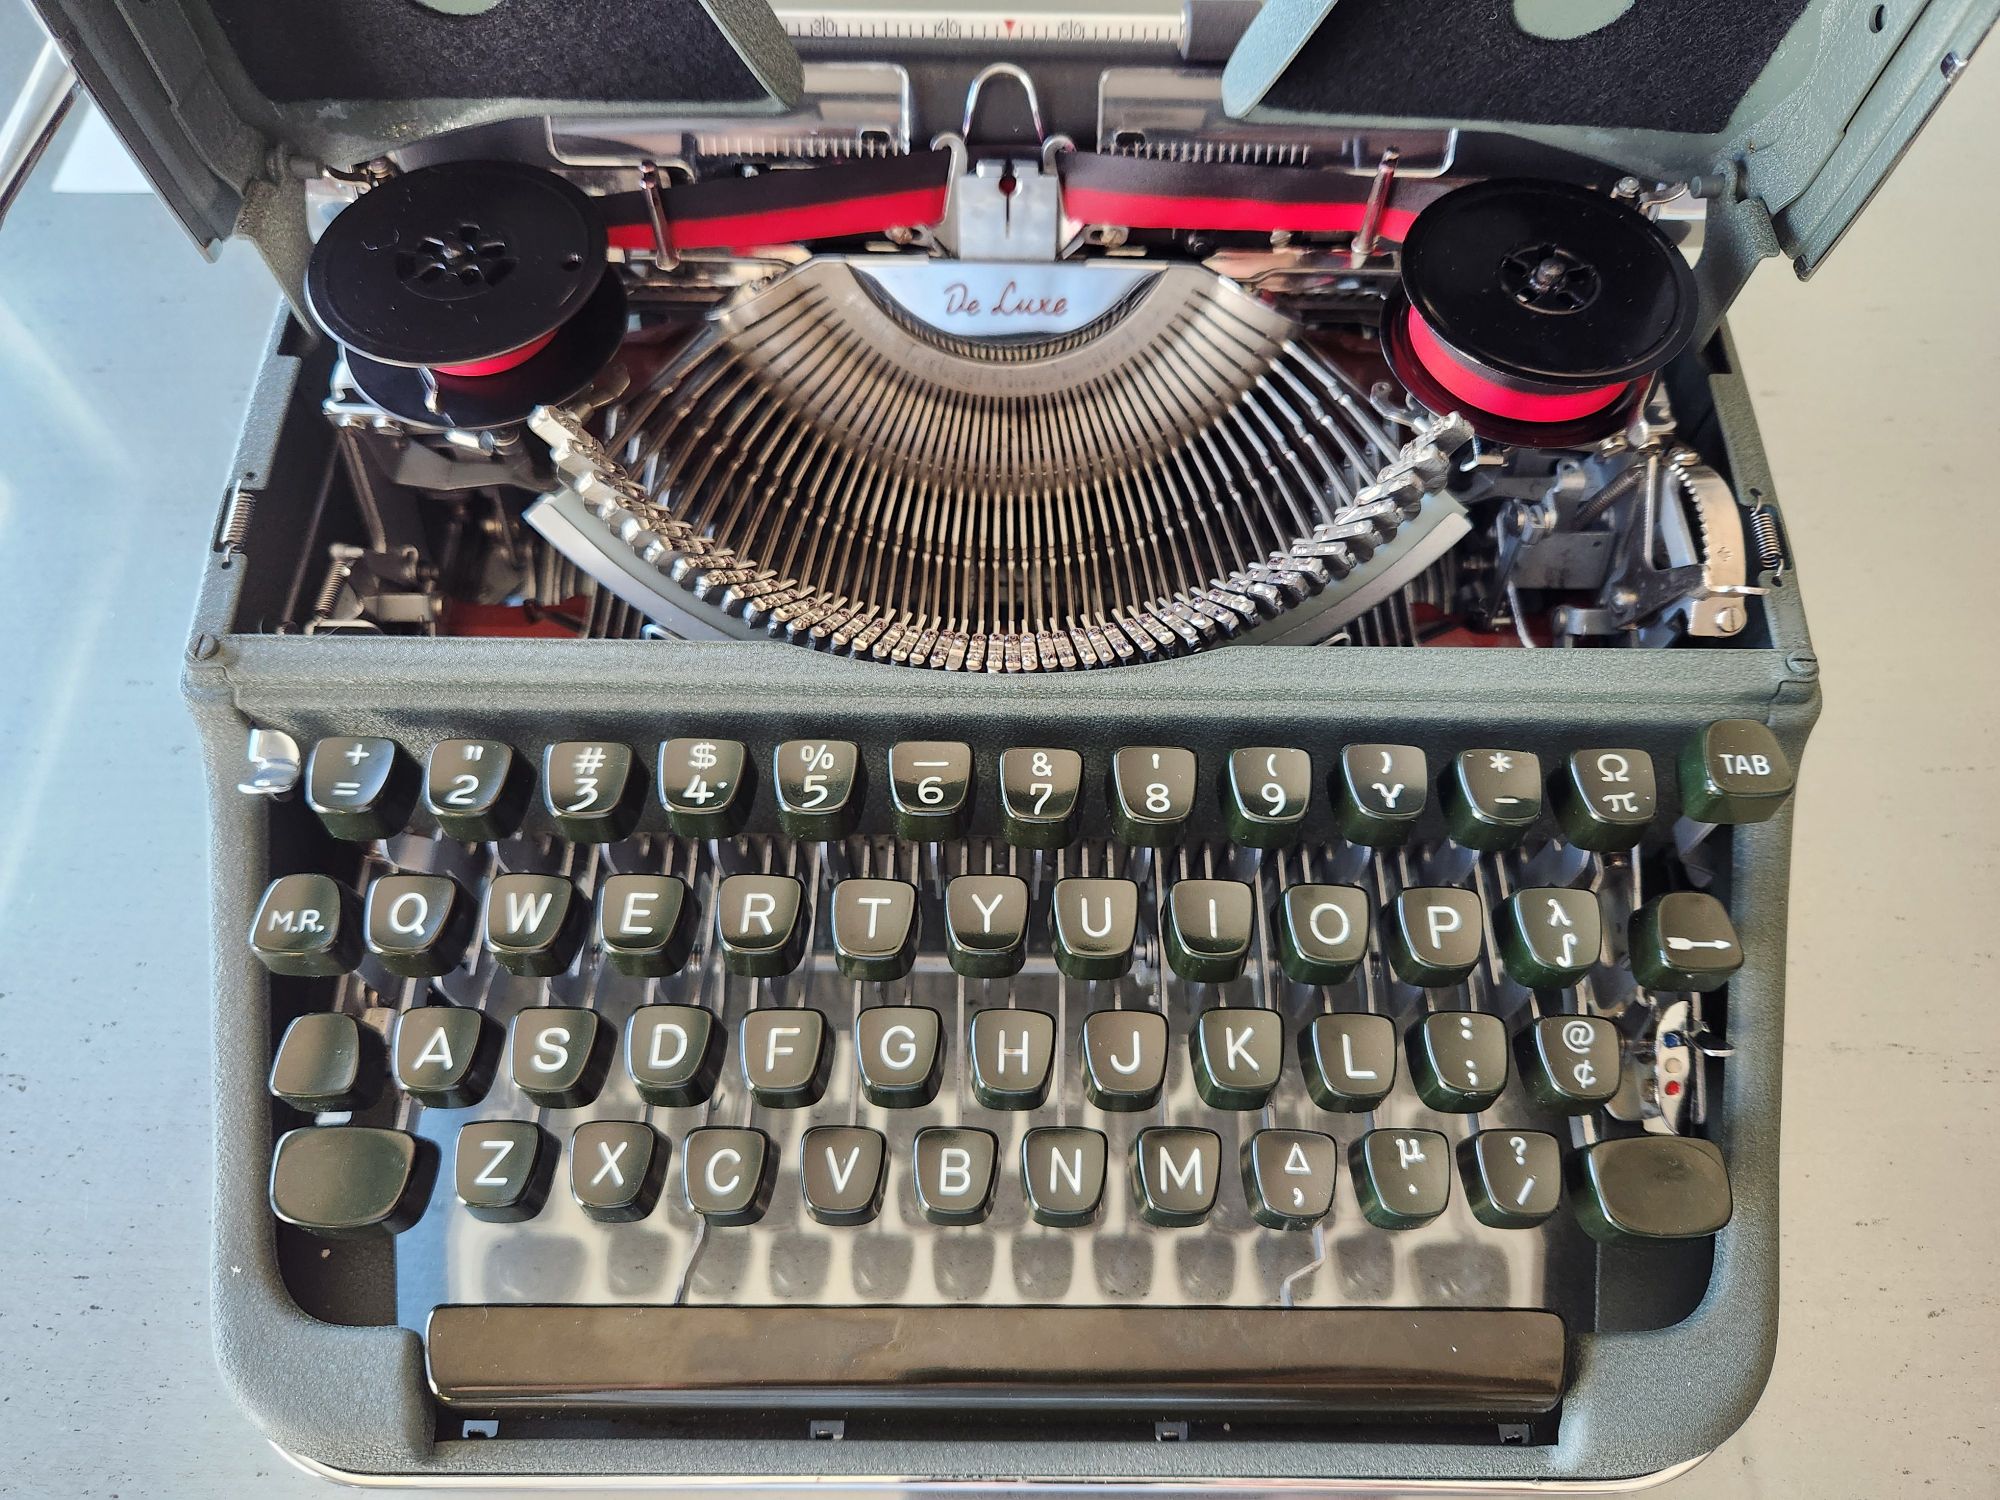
{"points": [[985, 746]]}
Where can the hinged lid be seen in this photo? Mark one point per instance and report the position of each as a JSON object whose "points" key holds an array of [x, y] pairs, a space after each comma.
{"points": [[1788, 113]]}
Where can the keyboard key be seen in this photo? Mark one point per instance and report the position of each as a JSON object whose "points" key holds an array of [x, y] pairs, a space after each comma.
{"points": [[1124, 1059], [1208, 929], [1264, 795], [728, 1174], [706, 786], [986, 925], [1734, 771], [1379, 793], [350, 1180], [418, 925], [1571, 1064], [1402, 1178], [1491, 798], [534, 923], [1013, 1052], [899, 1052], [1062, 1170], [503, 1169], [361, 788], [1549, 938], [306, 925], [1458, 1060], [1096, 922], [819, 788], [327, 1061], [930, 783], [593, 789], [786, 1055], [1350, 1060], [616, 1168], [1174, 1173], [445, 1055], [645, 924], [560, 1055], [1322, 932], [1288, 1177], [840, 1174], [874, 928], [761, 922], [1513, 1178], [1605, 798], [1434, 935], [476, 789], [674, 1054], [1683, 941], [1644, 1188], [955, 1174], [1039, 793], [1238, 1053], [1152, 793]]}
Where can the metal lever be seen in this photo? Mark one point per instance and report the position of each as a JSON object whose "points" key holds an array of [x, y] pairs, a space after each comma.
{"points": [[33, 121]]}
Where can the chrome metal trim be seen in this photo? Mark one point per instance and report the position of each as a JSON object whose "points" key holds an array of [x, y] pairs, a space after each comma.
{"points": [[876, 1485]]}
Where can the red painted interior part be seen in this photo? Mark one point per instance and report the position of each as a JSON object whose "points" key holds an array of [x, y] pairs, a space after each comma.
{"points": [[500, 362], [1090, 205], [834, 219], [1498, 400]]}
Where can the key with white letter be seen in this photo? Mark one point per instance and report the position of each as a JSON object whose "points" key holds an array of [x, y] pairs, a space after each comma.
{"points": [[1096, 923], [1402, 1178], [1350, 1060], [418, 925], [1513, 1178], [1433, 935], [445, 1055], [899, 1053], [674, 1054], [1062, 1171], [534, 923], [986, 924], [645, 924], [1379, 792], [840, 1174], [1322, 932], [1458, 1060], [1208, 929], [1013, 1052], [560, 1055], [874, 928], [1124, 1058], [954, 1171], [1174, 1174], [761, 922], [616, 1168], [786, 1056], [727, 1174], [503, 1169], [1288, 1177], [1238, 1053]]}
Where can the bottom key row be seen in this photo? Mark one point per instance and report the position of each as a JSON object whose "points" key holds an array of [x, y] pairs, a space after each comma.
{"points": [[347, 1179]]}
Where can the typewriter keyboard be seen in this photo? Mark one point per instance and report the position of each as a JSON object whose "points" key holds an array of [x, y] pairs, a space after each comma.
{"points": [[1348, 1029]]}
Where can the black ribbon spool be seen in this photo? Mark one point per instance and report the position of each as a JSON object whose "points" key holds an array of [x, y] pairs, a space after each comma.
{"points": [[469, 293], [1534, 297]]}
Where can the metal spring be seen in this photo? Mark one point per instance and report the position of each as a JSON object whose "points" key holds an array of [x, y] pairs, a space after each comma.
{"points": [[339, 568], [1764, 536], [1243, 153], [236, 519]]}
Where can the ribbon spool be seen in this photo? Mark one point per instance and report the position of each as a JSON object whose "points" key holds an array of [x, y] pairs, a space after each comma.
{"points": [[1538, 310], [469, 293]]}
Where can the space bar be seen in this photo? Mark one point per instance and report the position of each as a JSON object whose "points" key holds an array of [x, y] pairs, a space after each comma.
{"points": [[1363, 1363]]}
